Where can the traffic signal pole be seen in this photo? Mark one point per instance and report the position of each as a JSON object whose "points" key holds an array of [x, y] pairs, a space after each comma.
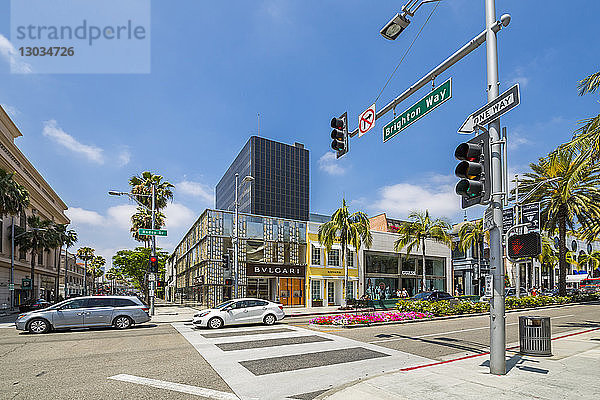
{"points": [[153, 247], [497, 311]]}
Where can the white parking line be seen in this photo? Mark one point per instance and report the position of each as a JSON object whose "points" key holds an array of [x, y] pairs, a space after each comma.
{"points": [[176, 387], [451, 332]]}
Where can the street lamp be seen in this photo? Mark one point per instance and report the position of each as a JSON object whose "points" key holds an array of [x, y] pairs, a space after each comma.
{"points": [[12, 259], [153, 211], [247, 178], [394, 28]]}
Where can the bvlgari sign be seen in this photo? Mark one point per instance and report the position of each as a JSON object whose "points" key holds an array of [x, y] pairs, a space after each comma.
{"points": [[276, 270]]}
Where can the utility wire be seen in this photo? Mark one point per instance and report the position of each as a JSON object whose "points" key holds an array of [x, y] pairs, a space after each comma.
{"points": [[407, 50]]}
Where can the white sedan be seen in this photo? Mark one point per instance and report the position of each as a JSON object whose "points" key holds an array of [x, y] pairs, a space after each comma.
{"points": [[239, 311]]}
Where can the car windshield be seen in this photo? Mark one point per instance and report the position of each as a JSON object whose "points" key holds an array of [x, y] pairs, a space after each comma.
{"points": [[57, 305], [423, 295], [223, 305]]}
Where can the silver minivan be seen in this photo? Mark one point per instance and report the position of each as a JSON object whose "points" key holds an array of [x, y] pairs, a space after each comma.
{"points": [[86, 312]]}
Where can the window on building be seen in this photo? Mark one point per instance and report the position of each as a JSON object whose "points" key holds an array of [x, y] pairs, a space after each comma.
{"points": [[315, 290], [381, 263], [40, 257], [350, 259], [333, 258], [316, 255], [350, 290]]}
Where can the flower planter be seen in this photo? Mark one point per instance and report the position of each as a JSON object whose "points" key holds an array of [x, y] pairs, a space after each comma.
{"points": [[317, 303]]}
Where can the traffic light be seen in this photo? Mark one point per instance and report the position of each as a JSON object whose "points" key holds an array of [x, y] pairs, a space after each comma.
{"points": [[474, 169], [153, 264], [526, 245], [226, 266], [228, 282], [339, 134], [160, 284]]}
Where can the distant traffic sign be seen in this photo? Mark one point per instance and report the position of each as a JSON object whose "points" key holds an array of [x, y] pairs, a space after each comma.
{"points": [[432, 100], [152, 232], [488, 219], [366, 120], [531, 216], [492, 111]]}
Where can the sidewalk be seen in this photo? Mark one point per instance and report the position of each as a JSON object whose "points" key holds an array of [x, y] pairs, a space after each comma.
{"points": [[571, 373]]}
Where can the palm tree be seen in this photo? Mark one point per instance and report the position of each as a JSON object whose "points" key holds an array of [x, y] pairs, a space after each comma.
{"points": [[67, 238], [572, 197], [472, 234], [96, 265], [38, 238], [548, 259], [591, 261], [351, 229], [163, 191], [111, 275], [14, 198], [587, 137], [415, 232], [86, 254]]}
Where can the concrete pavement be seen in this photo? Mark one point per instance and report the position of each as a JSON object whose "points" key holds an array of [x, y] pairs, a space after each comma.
{"points": [[572, 372]]}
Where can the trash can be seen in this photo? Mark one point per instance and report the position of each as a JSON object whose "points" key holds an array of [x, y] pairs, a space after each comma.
{"points": [[534, 336]]}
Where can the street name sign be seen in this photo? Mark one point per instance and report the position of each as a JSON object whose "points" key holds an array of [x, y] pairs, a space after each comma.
{"points": [[415, 112], [508, 219], [488, 219], [152, 232], [366, 120], [531, 216], [492, 111], [489, 280]]}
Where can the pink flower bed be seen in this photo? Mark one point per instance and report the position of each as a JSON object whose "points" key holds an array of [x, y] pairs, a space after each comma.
{"points": [[373, 318]]}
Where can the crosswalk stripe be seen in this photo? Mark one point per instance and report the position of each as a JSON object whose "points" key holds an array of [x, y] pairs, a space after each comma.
{"points": [[176, 387]]}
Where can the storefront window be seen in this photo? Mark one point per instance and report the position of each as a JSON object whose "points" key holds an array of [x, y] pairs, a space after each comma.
{"points": [[254, 227], [381, 288], [381, 264], [315, 290], [255, 250], [316, 255], [350, 290], [333, 258]]}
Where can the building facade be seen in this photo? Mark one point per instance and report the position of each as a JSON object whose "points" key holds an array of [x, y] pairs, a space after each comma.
{"points": [[271, 260], [74, 275], [45, 203], [281, 180]]}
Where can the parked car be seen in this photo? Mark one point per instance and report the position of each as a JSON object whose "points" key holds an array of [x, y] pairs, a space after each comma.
{"points": [[240, 311], [437, 295], [33, 305], [85, 312]]}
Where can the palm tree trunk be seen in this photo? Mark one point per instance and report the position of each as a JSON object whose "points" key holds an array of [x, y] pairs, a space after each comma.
{"points": [[423, 284], [479, 250], [85, 278], [66, 269], [33, 295], [562, 251], [57, 274], [345, 288]]}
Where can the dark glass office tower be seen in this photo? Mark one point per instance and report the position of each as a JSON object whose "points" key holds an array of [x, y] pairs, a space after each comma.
{"points": [[281, 183]]}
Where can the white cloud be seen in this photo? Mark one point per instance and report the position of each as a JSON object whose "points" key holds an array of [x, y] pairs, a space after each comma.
{"points": [[54, 132], [11, 111], [124, 157], [434, 193], [179, 216], [196, 189], [8, 51], [330, 164], [121, 215], [86, 217]]}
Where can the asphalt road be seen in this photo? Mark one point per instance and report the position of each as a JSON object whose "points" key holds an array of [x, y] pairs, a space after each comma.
{"points": [[77, 364], [446, 339]]}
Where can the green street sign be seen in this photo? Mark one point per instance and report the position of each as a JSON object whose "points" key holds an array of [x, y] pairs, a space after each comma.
{"points": [[25, 283], [432, 100], [152, 232]]}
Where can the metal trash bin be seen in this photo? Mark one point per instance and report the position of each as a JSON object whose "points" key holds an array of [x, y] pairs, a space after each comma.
{"points": [[534, 336]]}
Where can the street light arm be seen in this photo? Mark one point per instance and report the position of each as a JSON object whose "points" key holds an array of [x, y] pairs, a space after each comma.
{"points": [[411, 12], [535, 188]]}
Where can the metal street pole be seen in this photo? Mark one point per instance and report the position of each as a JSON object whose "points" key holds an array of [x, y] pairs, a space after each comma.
{"points": [[497, 311], [153, 247], [518, 221], [235, 240], [12, 262]]}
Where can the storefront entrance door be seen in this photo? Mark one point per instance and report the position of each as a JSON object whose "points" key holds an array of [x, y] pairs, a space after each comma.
{"points": [[330, 293], [291, 291]]}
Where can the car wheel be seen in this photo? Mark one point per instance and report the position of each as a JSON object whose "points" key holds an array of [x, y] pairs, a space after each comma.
{"points": [[38, 325], [122, 322], [269, 319], [215, 323]]}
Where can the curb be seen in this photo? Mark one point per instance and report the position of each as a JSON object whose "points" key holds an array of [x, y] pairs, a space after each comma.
{"points": [[446, 317]]}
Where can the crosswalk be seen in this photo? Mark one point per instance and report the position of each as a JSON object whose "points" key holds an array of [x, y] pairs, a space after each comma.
{"points": [[289, 362]]}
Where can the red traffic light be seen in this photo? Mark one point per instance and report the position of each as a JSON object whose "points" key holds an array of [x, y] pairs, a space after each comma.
{"points": [[527, 245], [153, 259]]}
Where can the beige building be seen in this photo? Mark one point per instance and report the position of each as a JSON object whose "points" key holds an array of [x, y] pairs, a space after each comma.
{"points": [[43, 202]]}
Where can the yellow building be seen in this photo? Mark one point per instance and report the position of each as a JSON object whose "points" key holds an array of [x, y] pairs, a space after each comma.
{"points": [[325, 273]]}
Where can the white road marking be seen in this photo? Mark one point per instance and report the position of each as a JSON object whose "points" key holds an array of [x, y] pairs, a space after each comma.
{"points": [[7, 325], [451, 332], [176, 387]]}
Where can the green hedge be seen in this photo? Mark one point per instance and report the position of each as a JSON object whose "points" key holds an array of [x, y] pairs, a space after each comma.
{"points": [[443, 308]]}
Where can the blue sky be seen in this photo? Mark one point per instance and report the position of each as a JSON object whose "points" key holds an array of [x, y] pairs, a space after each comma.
{"points": [[215, 65]]}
